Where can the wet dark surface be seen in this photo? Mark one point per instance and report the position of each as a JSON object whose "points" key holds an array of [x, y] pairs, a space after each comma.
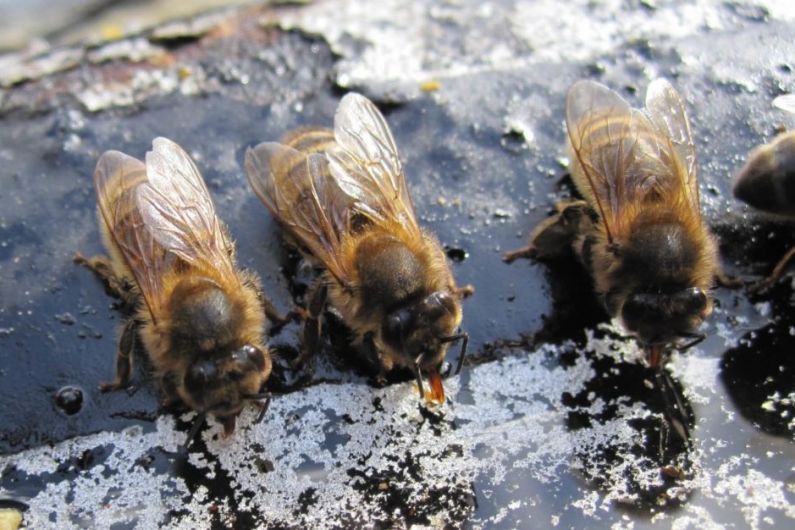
{"points": [[480, 186]]}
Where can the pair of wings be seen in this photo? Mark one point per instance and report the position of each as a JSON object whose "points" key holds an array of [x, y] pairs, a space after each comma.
{"points": [[159, 213], [317, 195], [627, 155]]}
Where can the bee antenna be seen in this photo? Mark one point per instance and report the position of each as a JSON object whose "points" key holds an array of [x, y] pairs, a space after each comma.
{"points": [[464, 338], [418, 375], [197, 423], [263, 407], [695, 338]]}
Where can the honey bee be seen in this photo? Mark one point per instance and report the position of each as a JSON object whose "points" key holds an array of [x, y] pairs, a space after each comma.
{"points": [[172, 262], [639, 229], [342, 197], [767, 182]]}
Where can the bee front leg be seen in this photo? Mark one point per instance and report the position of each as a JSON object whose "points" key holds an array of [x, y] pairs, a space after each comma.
{"points": [[123, 357], [171, 402], [312, 324], [101, 266], [373, 355]]}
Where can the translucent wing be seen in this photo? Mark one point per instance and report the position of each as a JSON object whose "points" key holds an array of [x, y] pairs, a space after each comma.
{"points": [[625, 156], [365, 163], [117, 178], [178, 211], [676, 146], [300, 193]]}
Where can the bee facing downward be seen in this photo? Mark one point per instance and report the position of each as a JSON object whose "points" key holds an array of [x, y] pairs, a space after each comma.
{"points": [[639, 230], [343, 198], [199, 318], [767, 182]]}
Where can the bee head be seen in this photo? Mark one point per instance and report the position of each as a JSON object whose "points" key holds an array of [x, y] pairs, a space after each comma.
{"points": [[222, 386], [658, 318], [421, 331]]}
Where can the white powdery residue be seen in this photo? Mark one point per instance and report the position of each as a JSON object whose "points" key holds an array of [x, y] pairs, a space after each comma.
{"points": [[352, 446], [116, 491], [763, 308], [756, 493], [699, 375], [729, 335], [105, 95], [696, 518], [613, 345], [588, 503], [412, 42], [519, 431], [778, 9], [624, 524], [135, 50]]}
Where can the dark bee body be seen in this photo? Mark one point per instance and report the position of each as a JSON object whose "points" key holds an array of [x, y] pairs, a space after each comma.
{"points": [[342, 197], [639, 229], [198, 317], [767, 182]]}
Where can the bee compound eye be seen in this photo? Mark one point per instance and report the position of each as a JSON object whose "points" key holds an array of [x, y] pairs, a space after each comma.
{"points": [[254, 356], [199, 376], [437, 304], [691, 301], [395, 325]]}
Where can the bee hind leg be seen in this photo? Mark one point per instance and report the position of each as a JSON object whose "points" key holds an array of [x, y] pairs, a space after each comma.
{"points": [[312, 324], [778, 272], [528, 252], [724, 279], [123, 358], [102, 267], [555, 234]]}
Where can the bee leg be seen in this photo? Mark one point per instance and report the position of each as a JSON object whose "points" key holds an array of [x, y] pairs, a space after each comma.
{"points": [[370, 351], [528, 252], [101, 266], [123, 358], [555, 234], [464, 292], [675, 414], [171, 402], [253, 282], [778, 272], [312, 324], [726, 280]]}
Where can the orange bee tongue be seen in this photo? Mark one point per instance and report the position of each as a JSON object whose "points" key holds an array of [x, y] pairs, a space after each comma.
{"points": [[229, 424], [436, 394], [655, 355]]}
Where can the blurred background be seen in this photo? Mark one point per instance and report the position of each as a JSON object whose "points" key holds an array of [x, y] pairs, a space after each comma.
{"points": [[35, 25]]}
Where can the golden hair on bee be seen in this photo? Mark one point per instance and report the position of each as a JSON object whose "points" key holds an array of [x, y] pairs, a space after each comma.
{"points": [[197, 315], [342, 197], [638, 230]]}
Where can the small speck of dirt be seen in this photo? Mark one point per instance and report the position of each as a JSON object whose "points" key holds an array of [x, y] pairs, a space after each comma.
{"points": [[66, 319]]}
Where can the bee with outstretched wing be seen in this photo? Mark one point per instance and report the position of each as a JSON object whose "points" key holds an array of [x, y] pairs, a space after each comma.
{"points": [[199, 317], [342, 197]]}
